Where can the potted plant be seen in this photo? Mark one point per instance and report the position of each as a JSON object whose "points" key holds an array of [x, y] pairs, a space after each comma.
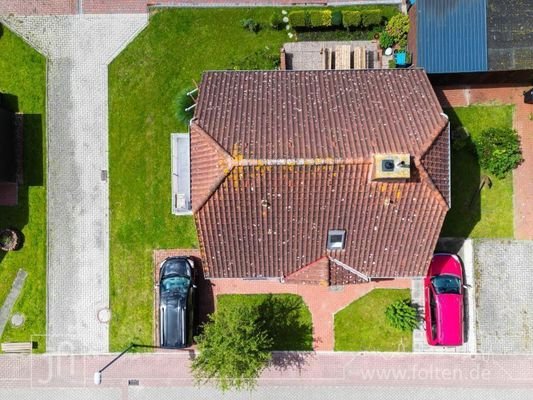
{"points": [[10, 239]]}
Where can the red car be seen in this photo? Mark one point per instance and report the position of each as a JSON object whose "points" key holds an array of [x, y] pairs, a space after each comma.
{"points": [[443, 288]]}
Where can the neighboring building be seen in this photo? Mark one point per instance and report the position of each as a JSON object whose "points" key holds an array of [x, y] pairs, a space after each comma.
{"points": [[325, 177], [10, 157], [474, 36]]}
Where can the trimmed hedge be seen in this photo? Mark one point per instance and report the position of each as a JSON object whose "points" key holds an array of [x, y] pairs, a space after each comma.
{"points": [[336, 18], [299, 19], [351, 19], [371, 17], [320, 18]]}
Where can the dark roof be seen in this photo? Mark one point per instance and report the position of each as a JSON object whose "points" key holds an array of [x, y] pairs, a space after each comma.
{"points": [[281, 157], [452, 35], [8, 167], [510, 34]]}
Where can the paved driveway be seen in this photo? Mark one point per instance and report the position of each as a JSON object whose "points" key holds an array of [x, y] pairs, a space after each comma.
{"points": [[504, 296]]}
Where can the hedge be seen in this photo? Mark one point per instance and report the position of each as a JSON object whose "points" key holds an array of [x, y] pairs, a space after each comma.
{"points": [[371, 17], [336, 18], [298, 19], [351, 19], [320, 18]]}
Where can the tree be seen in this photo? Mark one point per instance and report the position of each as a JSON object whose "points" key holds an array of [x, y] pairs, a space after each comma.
{"points": [[398, 28], [234, 348], [498, 150]]}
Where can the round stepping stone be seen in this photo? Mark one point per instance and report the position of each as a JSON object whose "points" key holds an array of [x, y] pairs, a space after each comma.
{"points": [[104, 315], [17, 320]]}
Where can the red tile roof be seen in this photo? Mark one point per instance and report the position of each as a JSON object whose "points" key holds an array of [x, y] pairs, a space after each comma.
{"points": [[281, 157]]}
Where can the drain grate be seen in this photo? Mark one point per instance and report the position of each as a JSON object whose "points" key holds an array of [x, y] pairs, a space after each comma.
{"points": [[103, 175], [133, 382]]}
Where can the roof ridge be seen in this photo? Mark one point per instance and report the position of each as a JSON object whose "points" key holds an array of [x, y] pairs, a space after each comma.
{"points": [[259, 162]]}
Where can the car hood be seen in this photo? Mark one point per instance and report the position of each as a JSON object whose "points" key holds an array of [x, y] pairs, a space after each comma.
{"points": [[174, 323], [450, 311]]}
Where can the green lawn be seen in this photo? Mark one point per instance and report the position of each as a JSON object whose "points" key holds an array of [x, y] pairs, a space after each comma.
{"points": [[362, 326], [288, 318], [491, 214], [23, 76], [168, 56]]}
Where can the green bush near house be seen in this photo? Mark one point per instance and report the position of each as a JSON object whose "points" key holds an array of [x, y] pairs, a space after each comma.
{"points": [[398, 28], [351, 19], [262, 59], [402, 315], [276, 20], [363, 326], [299, 19], [371, 18], [320, 18], [385, 40], [499, 151]]}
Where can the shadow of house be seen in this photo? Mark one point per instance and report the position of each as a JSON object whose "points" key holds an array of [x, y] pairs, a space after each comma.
{"points": [[11, 143], [465, 211]]}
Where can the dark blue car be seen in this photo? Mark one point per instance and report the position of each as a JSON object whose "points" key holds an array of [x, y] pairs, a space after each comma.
{"points": [[176, 302]]}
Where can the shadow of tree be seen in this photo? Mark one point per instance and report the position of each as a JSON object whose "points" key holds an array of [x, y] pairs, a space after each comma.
{"points": [[283, 321], [284, 360]]}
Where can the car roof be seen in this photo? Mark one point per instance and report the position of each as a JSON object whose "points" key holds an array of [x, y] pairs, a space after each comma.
{"points": [[450, 319]]}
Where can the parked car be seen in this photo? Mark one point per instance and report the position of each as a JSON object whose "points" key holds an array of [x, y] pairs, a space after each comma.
{"points": [[443, 287], [176, 302]]}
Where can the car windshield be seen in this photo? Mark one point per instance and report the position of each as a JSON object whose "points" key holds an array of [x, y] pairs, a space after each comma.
{"points": [[446, 284], [178, 267], [175, 284]]}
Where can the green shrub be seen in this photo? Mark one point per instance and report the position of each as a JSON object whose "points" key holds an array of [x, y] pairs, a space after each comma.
{"points": [[276, 21], [184, 101], [262, 59], [398, 28], [402, 315], [320, 18], [351, 19], [392, 63], [251, 25], [498, 150], [299, 19], [336, 18], [385, 40], [371, 18]]}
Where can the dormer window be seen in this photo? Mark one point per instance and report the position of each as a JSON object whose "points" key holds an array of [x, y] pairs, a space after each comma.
{"points": [[336, 239]]}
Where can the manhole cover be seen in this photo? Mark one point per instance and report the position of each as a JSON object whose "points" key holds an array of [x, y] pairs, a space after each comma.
{"points": [[104, 315], [17, 320]]}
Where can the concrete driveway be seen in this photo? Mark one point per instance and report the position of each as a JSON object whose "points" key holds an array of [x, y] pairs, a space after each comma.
{"points": [[504, 291]]}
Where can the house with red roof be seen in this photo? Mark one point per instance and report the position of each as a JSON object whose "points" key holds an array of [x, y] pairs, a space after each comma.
{"points": [[318, 177]]}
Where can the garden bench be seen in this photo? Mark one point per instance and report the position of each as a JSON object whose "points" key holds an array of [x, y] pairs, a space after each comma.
{"points": [[17, 347]]}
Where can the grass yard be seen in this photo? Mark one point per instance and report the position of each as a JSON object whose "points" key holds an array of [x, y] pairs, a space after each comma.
{"points": [[23, 78], [362, 326], [289, 322], [491, 214], [168, 56]]}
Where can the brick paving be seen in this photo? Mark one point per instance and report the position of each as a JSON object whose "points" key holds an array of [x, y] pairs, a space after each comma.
{"points": [[400, 370], [523, 123]]}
